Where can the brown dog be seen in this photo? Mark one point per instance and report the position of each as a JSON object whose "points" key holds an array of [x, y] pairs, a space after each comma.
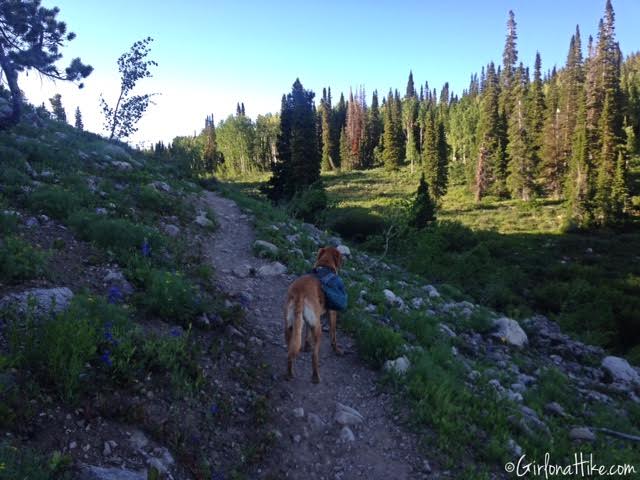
{"points": [[305, 305]]}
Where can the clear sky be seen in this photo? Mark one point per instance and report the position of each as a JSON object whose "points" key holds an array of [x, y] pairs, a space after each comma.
{"points": [[212, 54]]}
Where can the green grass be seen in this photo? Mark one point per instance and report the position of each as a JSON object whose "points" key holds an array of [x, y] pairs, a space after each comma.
{"points": [[20, 261]]}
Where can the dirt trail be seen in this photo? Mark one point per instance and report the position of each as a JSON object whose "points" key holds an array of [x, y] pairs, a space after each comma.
{"points": [[310, 446]]}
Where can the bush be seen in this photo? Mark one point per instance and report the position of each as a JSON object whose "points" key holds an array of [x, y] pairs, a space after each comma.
{"points": [[24, 463], [354, 223], [377, 344], [119, 235], [309, 204], [58, 202], [19, 261], [57, 350], [171, 297]]}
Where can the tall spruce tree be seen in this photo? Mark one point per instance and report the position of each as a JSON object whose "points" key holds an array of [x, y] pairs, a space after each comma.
{"points": [[373, 130], [553, 166], [490, 156], [410, 127], [536, 111], [79, 125], [411, 89], [423, 208], [326, 126], [298, 164], [521, 159], [57, 108], [339, 119], [579, 191], [392, 134]]}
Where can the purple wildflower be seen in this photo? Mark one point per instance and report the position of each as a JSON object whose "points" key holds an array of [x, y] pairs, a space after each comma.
{"points": [[106, 358], [146, 248], [115, 295], [213, 409], [217, 475], [175, 332]]}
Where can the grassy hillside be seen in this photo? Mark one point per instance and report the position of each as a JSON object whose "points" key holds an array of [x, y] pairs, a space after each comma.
{"points": [[136, 333]]}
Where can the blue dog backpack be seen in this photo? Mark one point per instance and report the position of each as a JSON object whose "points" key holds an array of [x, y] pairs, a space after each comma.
{"points": [[334, 291]]}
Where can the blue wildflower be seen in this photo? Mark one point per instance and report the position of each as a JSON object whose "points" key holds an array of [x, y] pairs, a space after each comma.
{"points": [[146, 248], [106, 358], [115, 295], [213, 409], [217, 475], [175, 332]]}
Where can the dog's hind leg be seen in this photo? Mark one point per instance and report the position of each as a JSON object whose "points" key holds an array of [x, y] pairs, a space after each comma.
{"points": [[293, 332], [307, 340], [317, 334], [332, 331]]}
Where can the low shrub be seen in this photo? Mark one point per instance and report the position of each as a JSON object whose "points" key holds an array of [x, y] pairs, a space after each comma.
{"points": [[172, 297], [25, 463], [354, 223], [19, 261], [309, 204], [377, 344], [58, 202]]}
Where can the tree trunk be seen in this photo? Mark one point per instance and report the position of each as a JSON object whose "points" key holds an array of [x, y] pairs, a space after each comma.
{"points": [[16, 95]]}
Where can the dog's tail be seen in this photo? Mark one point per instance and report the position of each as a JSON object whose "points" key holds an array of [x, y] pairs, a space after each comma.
{"points": [[298, 322]]}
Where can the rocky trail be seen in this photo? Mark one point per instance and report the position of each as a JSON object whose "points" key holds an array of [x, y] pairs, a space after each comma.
{"points": [[319, 436]]}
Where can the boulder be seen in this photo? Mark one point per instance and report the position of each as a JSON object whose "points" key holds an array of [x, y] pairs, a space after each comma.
{"points": [[45, 300], [171, 230], [582, 434], [344, 250], [271, 269], [400, 365], [432, 291], [263, 247], [618, 370], [115, 278], [392, 298], [160, 186], [122, 166], [509, 331], [92, 472], [202, 220], [346, 435], [346, 415]]}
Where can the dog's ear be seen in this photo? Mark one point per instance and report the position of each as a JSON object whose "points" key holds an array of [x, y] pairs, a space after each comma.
{"points": [[320, 252], [337, 258]]}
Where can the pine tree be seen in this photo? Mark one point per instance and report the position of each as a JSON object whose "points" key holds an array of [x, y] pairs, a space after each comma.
{"points": [[490, 156], [211, 156], [578, 190], [619, 189], [521, 161], [411, 90], [536, 109], [346, 155], [327, 134], [410, 124], [79, 124], [423, 208], [57, 108], [355, 128], [339, 118], [440, 187], [392, 135], [553, 166], [373, 131], [298, 164]]}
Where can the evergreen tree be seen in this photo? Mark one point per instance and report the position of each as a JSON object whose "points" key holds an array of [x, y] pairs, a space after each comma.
{"points": [[521, 161], [31, 39], [553, 166], [410, 124], [430, 164], [79, 124], [57, 108], [339, 119], [373, 130], [298, 164], [490, 156], [327, 134], [346, 155], [211, 156], [423, 208], [536, 109], [392, 135], [578, 190], [411, 90], [440, 187], [619, 189], [509, 62]]}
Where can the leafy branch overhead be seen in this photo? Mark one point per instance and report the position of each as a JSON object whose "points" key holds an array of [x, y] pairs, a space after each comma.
{"points": [[121, 119], [31, 39]]}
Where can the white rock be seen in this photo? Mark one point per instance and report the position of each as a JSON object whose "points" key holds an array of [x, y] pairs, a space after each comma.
{"points": [[432, 291], [444, 328], [510, 332], [91, 472], [346, 435], [346, 415], [582, 433], [392, 298], [399, 365], [618, 370], [298, 412], [263, 246], [171, 230], [315, 422], [344, 250], [122, 166], [275, 268], [417, 302], [202, 220], [45, 300]]}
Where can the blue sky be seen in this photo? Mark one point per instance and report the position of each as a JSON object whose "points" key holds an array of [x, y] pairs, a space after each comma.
{"points": [[212, 54]]}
